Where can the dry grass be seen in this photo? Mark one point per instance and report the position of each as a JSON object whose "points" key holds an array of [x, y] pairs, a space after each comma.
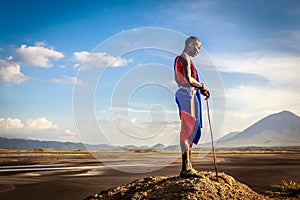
{"points": [[286, 189]]}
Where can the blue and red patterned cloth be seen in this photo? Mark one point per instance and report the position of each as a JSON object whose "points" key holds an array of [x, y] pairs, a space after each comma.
{"points": [[190, 125]]}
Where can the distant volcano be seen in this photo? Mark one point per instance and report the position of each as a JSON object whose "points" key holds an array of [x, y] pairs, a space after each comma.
{"points": [[276, 130]]}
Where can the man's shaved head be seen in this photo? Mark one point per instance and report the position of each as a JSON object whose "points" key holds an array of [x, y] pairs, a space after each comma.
{"points": [[192, 39]]}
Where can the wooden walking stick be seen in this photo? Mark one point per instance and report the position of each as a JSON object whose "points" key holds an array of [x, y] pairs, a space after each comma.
{"points": [[212, 140]]}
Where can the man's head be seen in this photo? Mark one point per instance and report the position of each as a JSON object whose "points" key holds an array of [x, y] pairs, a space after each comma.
{"points": [[192, 46]]}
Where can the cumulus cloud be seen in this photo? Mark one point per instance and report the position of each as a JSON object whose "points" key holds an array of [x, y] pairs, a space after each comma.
{"points": [[38, 56], [80, 56], [98, 59], [11, 72], [9, 123], [40, 123], [39, 128], [67, 80]]}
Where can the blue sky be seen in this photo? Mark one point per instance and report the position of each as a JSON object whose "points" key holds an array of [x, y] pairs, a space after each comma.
{"points": [[254, 46]]}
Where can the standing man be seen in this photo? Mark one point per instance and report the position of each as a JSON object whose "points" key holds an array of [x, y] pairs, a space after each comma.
{"points": [[188, 101]]}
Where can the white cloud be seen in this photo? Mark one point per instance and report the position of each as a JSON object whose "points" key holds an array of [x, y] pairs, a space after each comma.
{"points": [[39, 56], [279, 68], [40, 44], [80, 56], [9, 123], [39, 128], [66, 80], [68, 132], [11, 72], [76, 65], [98, 59], [40, 123]]}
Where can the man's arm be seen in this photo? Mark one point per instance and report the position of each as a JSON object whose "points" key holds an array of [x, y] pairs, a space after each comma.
{"points": [[193, 82]]}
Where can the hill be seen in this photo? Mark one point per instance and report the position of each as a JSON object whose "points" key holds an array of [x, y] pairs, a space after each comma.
{"points": [[15, 144], [204, 186], [276, 130], [11, 144]]}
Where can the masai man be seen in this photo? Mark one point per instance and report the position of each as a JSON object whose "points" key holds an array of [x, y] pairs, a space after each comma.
{"points": [[188, 101]]}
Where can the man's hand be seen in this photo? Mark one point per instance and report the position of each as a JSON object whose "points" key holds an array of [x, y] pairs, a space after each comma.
{"points": [[205, 92]]}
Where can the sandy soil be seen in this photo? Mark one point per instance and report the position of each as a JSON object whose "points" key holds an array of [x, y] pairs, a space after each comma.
{"points": [[258, 171]]}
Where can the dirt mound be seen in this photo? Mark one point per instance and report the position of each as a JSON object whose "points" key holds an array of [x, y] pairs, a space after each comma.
{"points": [[161, 187]]}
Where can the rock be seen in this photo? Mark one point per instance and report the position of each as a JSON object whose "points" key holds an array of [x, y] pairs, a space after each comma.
{"points": [[162, 187]]}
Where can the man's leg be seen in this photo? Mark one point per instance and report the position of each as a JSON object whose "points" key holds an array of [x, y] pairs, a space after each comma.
{"points": [[190, 158], [186, 161], [193, 113], [186, 146], [193, 170]]}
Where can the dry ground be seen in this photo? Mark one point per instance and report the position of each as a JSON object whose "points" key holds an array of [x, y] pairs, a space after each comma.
{"points": [[258, 171]]}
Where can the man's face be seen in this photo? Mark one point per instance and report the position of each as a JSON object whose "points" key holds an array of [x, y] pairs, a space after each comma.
{"points": [[195, 48]]}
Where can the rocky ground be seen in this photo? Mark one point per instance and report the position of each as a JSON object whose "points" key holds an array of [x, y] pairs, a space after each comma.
{"points": [[163, 187]]}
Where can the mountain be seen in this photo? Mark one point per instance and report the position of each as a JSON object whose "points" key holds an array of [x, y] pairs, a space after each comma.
{"points": [[36, 144], [280, 129], [159, 146], [24, 144], [32, 144], [228, 136]]}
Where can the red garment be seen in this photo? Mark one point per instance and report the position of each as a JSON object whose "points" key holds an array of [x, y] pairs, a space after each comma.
{"points": [[179, 75], [188, 123]]}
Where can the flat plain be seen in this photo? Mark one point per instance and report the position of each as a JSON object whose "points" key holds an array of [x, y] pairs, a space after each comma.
{"points": [[41, 174]]}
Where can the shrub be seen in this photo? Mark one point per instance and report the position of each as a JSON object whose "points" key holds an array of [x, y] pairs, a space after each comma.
{"points": [[286, 189]]}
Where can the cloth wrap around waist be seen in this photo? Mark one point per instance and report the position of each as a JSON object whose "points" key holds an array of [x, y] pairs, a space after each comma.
{"points": [[190, 125]]}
